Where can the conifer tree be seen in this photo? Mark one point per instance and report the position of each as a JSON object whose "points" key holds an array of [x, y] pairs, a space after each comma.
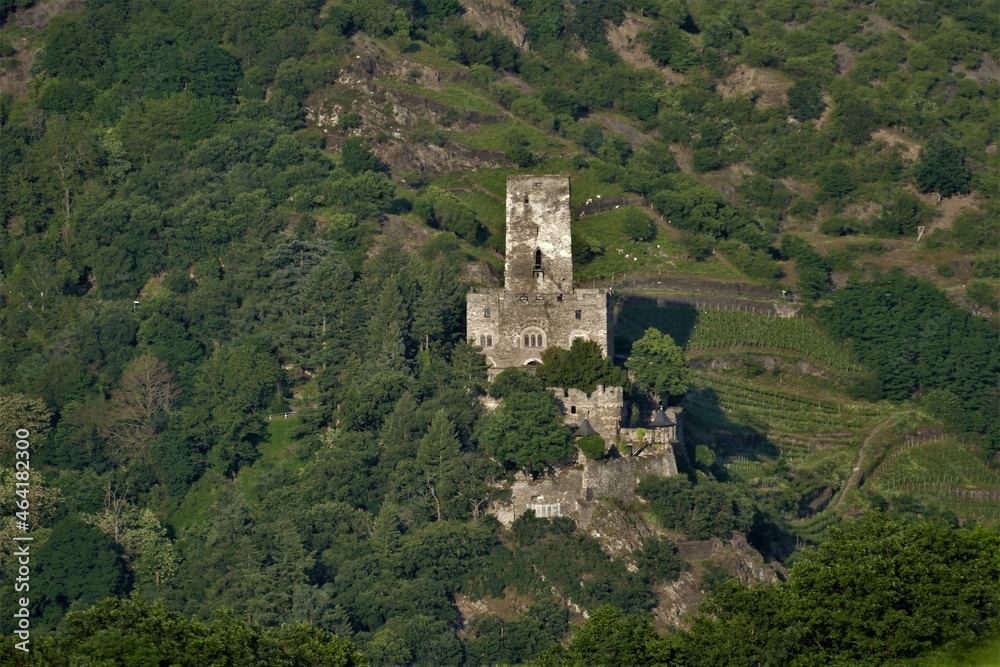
{"points": [[941, 168]]}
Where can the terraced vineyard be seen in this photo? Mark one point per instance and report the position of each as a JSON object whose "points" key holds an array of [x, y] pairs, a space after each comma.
{"points": [[702, 332], [945, 472], [794, 423]]}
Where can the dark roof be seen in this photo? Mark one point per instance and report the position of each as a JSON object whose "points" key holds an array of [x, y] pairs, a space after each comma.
{"points": [[585, 430], [661, 419]]}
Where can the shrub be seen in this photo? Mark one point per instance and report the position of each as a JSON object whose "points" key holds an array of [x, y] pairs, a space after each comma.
{"points": [[592, 446], [349, 120], [637, 225], [840, 226]]}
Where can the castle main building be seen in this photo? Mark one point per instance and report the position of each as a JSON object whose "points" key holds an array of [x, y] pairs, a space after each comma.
{"points": [[537, 307]]}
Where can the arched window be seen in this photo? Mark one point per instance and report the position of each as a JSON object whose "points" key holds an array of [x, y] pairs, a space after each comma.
{"points": [[541, 343], [533, 340], [526, 340], [489, 341], [538, 259], [482, 340]]}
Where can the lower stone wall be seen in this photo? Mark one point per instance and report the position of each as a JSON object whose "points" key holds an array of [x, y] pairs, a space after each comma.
{"points": [[573, 491]]}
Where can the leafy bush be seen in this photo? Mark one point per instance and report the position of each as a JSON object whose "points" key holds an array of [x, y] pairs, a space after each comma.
{"points": [[659, 560], [349, 120], [637, 225], [592, 446], [701, 510], [941, 168], [840, 226], [582, 366], [805, 99]]}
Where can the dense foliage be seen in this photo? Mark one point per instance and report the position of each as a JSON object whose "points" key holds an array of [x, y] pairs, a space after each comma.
{"points": [[914, 339], [933, 584], [582, 366], [131, 631]]}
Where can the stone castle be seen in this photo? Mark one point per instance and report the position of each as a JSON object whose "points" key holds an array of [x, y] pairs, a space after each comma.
{"points": [[539, 307]]}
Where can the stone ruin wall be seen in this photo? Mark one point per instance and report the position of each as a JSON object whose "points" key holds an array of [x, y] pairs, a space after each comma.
{"points": [[574, 491], [602, 408]]}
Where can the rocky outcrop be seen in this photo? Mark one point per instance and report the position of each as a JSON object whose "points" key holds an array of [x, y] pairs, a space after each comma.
{"points": [[499, 16]]}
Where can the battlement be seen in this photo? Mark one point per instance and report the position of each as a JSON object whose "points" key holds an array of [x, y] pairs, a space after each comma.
{"points": [[603, 408]]}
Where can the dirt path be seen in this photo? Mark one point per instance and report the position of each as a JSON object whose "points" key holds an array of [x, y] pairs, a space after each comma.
{"points": [[855, 477]]}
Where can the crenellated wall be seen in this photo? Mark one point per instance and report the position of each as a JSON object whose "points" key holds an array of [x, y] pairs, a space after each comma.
{"points": [[602, 408]]}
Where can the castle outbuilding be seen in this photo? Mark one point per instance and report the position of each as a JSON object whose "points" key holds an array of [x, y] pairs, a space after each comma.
{"points": [[537, 307]]}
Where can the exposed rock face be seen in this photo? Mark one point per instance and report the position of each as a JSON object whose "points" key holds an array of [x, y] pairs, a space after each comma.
{"points": [[771, 87], [393, 116], [499, 16], [680, 599], [625, 40]]}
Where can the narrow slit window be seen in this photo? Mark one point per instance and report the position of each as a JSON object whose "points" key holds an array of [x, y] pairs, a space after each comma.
{"points": [[482, 341], [572, 409], [579, 314], [489, 341], [538, 259], [486, 313]]}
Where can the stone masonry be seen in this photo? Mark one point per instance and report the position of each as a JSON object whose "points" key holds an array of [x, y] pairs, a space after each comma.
{"points": [[602, 408], [538, 306]]}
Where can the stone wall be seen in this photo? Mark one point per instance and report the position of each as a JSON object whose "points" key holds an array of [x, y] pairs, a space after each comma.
{"points": [[573, 491], [498, 320], [602, 408], [539, 256]]}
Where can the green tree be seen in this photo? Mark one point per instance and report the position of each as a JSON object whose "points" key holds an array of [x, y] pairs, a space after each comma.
{"points": [[527, 432], [78, 564], [637, 225], [935, 583], [659, 364], [134, 632], [582, 366], [805, 99], [357, 156], [437, 455], [609, 638], [941, 168], [659, 559], [17, 411], [231, 390]]}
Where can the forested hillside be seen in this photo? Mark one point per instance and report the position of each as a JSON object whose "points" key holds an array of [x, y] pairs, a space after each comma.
{"points": [[235, 243]]}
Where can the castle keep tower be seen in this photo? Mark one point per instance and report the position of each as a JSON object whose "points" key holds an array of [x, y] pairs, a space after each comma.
{"points": [[537, 307], [539, 254]]}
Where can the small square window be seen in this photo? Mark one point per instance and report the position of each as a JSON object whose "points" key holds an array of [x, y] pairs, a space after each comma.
{"points": [[579, 314]]}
